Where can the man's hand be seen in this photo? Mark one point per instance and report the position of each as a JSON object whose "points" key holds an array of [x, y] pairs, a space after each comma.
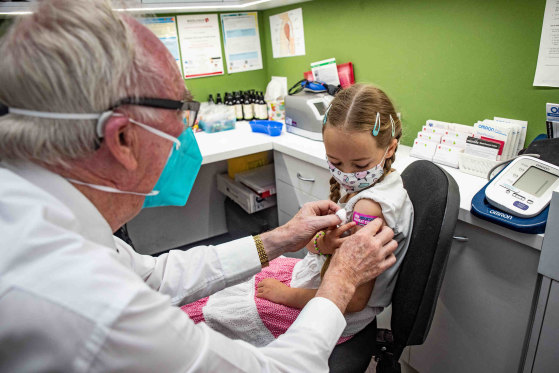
{"points": [[297, 232], [362, 257]]}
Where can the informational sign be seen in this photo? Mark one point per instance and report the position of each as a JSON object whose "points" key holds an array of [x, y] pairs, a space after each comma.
{"points": [[241, 40], [288, 35], [165, 28], [547, 70], [326, 71], [200, 45]]}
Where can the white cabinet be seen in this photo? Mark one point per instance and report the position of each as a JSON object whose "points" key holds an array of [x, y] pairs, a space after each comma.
{"points": [[484, 307], [298, 182], [302, 175]]}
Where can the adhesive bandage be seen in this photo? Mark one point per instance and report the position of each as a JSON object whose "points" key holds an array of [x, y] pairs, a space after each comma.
{"points": [[362, 219]]}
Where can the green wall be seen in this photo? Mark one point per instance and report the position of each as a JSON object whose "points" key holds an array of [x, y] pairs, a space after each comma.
{"points": [[451, 60]]}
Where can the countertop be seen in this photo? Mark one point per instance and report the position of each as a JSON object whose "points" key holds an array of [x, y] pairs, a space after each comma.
{"points": [[242, 141]]}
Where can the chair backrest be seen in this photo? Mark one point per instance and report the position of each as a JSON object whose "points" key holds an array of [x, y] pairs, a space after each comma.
{"points": [[436, 200]]}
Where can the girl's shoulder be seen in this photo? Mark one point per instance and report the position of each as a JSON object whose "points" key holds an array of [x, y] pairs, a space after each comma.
{"points": [[389, 190]]}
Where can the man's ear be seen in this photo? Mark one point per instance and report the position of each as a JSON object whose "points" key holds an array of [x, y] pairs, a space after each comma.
{"points": [[392, 148], [120, 139]]}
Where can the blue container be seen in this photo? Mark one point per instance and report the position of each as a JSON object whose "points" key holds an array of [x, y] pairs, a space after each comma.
{"points": [[271, 127]]}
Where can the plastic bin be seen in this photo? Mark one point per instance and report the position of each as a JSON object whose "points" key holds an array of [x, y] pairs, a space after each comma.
{"points": [[270, 127], [247, 162]]}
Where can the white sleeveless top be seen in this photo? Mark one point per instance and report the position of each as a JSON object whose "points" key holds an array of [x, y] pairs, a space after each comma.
{"points": [[397, 210]]}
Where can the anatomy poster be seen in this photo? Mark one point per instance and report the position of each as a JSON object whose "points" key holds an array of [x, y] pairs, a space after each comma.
{"points": [[288, 35]]}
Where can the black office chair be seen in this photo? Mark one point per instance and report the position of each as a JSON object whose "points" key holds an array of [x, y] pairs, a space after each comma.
{"points": [[436, 200]]}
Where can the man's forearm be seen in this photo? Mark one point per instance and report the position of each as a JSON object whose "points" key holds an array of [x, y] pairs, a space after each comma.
{"points": [[275, 242], [336, 287]]}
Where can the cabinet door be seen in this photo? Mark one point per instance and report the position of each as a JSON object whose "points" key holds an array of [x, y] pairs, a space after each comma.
{"points": [[547, 360], [302, 175], [484, 306], [290, 200]]}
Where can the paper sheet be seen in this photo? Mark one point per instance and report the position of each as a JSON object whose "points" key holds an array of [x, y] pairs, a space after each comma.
{"points": [[326, 71], [288, 35], [241, 39], [547, 70], [200, 45], [165, 29]]}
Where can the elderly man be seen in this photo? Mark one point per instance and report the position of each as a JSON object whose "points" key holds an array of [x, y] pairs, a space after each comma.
{"points": [[94, 129]]}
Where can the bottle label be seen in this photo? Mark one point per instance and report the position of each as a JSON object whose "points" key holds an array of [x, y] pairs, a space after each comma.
{"points": [[248, 114]]}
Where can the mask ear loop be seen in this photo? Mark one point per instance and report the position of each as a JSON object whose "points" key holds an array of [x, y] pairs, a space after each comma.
{"points": [[100, 128], [393, 125], [376, 128], [107, 114]]}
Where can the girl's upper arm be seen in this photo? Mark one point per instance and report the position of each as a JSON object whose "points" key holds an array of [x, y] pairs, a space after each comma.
{"points": [[368, 207], [363, 293]]}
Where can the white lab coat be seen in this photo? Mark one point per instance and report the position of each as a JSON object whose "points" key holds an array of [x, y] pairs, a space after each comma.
{"points": [[74, 298]]}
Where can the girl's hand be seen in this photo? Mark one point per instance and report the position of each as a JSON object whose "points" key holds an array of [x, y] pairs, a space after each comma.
{"points": [[333, 238], [273, 290]]}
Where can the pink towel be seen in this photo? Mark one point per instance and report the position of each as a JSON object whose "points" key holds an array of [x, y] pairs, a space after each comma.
{"points": [[276, 317]]}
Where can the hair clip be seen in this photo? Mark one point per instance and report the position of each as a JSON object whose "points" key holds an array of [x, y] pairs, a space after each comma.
{"points": [[326, 115], [393, 125], [376, 128]]}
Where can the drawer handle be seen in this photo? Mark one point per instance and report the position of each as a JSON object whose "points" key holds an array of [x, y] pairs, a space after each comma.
{"points": [[461, 239], [304, 178]]}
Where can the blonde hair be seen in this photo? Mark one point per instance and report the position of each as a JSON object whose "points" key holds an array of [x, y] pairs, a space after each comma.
{"points": [[355, 109], [68, 56]]}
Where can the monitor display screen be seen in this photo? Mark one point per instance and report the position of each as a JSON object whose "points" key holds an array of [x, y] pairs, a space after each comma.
{"points": [[535, 181], [320, 107]]}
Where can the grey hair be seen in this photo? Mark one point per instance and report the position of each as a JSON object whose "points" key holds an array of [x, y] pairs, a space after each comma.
{"points": [[69, 56]]}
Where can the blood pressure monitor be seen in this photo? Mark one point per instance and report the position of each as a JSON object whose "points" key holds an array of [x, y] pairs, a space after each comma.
{"points": [[524, 187]]}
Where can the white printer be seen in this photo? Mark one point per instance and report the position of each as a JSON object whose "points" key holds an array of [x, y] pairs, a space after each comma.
{"points": [[304, 112]]}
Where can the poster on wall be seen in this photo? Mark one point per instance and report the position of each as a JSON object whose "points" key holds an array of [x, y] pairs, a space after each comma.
{"points": [[288, 35], [200, 44], [241, 40], [165, 28], [547, 69]]}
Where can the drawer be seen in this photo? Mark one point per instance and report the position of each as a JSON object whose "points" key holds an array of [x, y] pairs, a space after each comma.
{"points": [[290, 200], [302, 175], [283, 217]]}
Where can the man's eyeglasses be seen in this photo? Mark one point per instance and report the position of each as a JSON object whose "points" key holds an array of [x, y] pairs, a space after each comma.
{"points": [[189, 109]]}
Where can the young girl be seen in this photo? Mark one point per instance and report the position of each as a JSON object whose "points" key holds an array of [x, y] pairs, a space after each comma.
{"points": [[360, 132]]}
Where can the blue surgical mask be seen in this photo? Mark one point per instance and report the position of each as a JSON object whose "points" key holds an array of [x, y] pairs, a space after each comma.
{"points": [[178, 175], [177, 178]]}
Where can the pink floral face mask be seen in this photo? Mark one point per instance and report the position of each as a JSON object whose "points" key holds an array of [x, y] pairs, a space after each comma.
{"points": [[356, 181]]}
